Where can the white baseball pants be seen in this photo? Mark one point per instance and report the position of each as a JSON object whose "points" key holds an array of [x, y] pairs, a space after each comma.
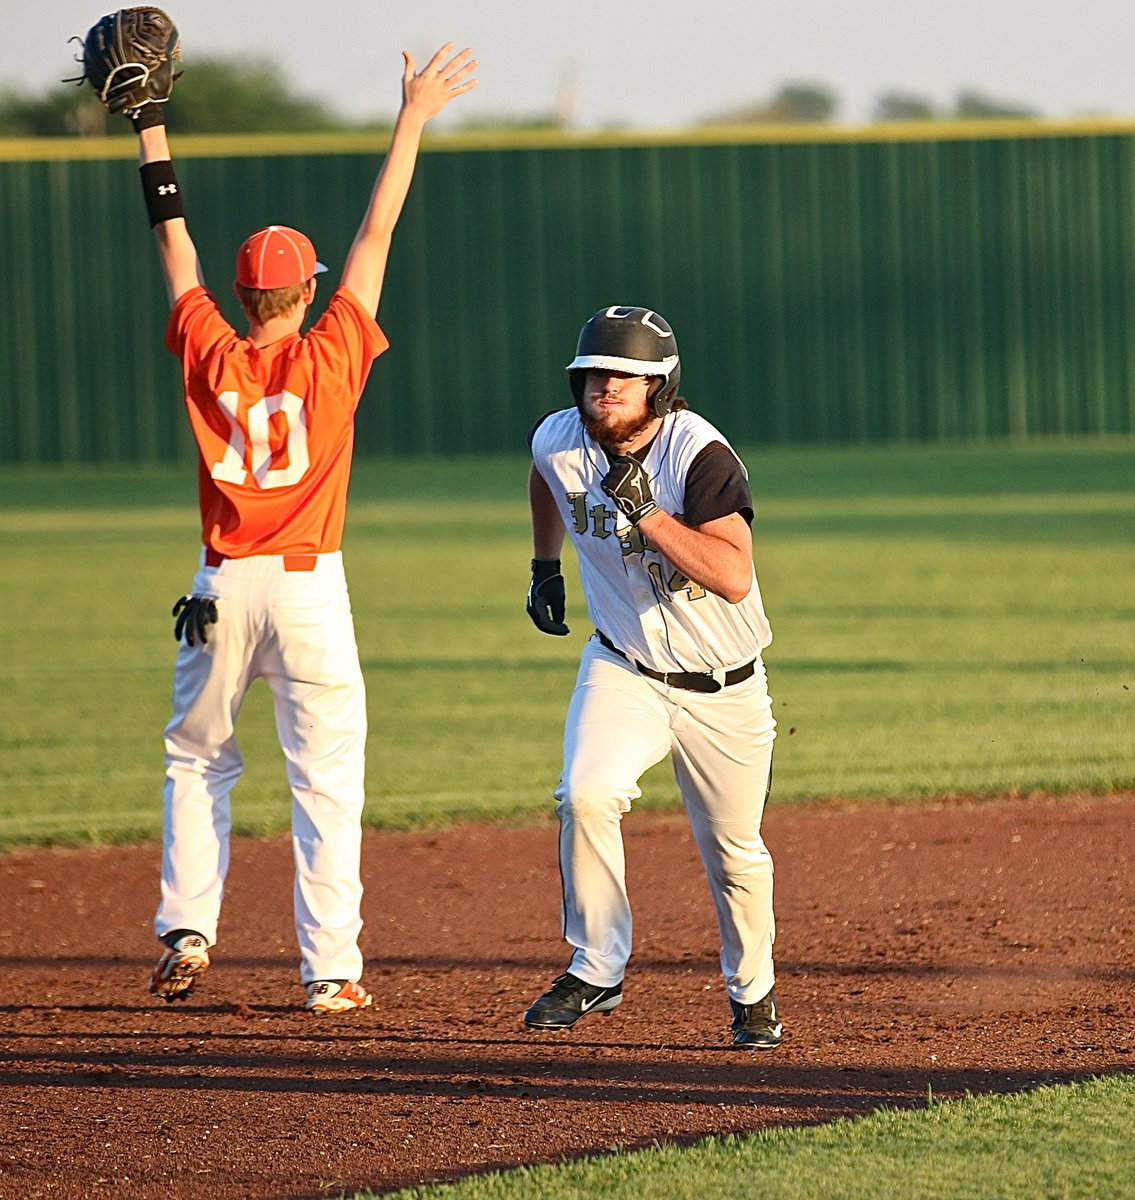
{"points": [[294, 630], [621, 723]]}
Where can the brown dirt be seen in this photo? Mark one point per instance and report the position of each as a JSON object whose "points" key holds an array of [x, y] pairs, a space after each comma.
{"points": [[962, 947]]}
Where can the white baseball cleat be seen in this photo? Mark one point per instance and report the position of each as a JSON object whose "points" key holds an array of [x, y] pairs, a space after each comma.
{"points": [[336, 995], [179, 968]]}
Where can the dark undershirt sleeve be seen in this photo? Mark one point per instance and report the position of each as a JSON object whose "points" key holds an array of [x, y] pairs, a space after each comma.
{"points": [[716, 486], [532, 431]]}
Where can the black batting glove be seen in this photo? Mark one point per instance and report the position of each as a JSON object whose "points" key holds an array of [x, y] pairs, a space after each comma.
{"points": [[546, 598], [194, 616], [628, 484]]}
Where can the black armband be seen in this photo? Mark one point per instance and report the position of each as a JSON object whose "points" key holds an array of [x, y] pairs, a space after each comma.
{"points": [[161, 191]]}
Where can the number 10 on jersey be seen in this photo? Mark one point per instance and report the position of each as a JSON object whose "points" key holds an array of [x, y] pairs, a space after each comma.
{"points": [[273, 432]]}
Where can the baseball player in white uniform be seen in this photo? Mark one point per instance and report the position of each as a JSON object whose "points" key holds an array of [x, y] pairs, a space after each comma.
{"points": [[658, 508]]}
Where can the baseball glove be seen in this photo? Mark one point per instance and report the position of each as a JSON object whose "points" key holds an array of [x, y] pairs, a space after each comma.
{"points": [[128, 58]]}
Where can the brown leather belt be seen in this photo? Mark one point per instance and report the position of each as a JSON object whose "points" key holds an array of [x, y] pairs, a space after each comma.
{"points": [[690, 681], [292, 562]]}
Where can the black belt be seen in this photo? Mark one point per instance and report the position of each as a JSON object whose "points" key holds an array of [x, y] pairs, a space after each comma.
{"points": [[691, 681]]}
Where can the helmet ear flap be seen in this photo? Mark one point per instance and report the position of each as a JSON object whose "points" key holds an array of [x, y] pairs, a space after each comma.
{"points": [[576, 380], [663, 391]]}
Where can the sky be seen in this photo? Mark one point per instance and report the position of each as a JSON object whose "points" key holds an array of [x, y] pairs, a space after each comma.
{"points": [[659, 65]]}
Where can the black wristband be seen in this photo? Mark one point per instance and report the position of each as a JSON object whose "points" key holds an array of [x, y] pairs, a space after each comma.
{"points": [[147, 116], [161, 190]]}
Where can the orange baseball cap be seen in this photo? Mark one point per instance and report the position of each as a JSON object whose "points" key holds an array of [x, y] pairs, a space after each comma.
{"points": [[276, 257]]}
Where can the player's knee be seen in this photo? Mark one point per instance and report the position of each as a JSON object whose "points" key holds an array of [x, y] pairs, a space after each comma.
{"points": [[189, 756], [590, 797], [743, 868]]}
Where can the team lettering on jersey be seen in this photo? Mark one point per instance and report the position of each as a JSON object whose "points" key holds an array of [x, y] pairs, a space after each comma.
{"points": [[602, 522]]}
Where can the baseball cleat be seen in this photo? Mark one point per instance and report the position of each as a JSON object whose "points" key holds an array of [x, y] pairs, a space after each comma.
{"points": [[336, 995], [185, 960], [757, 1026], [568, 999]]}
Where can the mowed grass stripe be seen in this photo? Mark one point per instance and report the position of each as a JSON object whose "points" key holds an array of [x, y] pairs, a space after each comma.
{"points": [[926, 643]]}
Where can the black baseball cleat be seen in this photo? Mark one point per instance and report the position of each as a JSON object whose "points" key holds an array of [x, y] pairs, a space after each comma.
{"points": [[757, 1026], [568, 999]]}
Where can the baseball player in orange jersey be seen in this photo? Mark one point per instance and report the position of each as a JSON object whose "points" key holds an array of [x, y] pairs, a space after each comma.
{"points": [[273, 417], [658, 509]]}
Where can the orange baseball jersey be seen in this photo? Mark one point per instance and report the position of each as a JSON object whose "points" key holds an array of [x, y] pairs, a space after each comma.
{"points": [[275, 425]]}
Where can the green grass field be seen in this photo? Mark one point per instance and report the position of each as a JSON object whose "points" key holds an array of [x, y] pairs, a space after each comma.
{"points": [[948, 620], [1056, 1143]]}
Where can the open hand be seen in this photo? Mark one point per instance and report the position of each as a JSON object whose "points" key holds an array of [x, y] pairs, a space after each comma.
{"points": [[446, 75]]}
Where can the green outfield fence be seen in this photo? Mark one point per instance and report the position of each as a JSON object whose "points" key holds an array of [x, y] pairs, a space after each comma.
{"points": [[826, 284]]}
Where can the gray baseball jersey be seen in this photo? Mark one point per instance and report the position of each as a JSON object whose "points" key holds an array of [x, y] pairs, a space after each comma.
{"points": [[635, 595]]}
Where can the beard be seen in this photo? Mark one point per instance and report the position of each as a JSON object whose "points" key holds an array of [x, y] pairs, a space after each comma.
{"points": [[610, 430]]}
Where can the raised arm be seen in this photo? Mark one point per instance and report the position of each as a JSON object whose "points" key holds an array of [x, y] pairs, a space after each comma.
{"points": [[130, 59], [424, 94], [176, 251]]}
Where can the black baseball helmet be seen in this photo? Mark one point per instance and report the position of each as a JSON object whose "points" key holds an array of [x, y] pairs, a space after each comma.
{"points": [[635, 340]]}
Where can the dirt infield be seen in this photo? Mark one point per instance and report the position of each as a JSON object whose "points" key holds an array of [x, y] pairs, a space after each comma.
{"points": [[959, 947]]}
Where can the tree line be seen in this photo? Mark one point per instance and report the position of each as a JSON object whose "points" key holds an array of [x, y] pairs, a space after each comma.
{"points": [[237, 95], [813, 102]]}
